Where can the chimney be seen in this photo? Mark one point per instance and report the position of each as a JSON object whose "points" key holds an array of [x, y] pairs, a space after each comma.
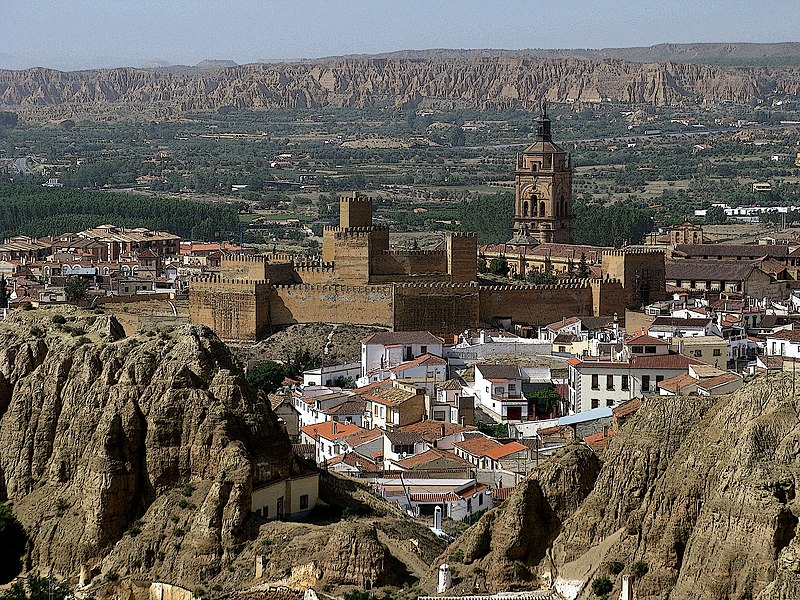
{"points": [[333, 427], [441, 429]]}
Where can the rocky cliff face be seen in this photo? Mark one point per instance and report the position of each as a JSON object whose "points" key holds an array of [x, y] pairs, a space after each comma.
{"points": [[485, 82], [501, 552], [134, 455], [702, 490]]}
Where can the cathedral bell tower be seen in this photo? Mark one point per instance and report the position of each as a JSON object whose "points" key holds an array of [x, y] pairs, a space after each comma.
{"points": [[543, 190]]}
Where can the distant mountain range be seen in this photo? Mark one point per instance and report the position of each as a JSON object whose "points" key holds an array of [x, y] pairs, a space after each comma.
{"points": [[663, 75]]}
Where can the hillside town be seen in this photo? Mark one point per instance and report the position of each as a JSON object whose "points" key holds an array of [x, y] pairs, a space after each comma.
{"points": [[474, 381], [476, 371]]}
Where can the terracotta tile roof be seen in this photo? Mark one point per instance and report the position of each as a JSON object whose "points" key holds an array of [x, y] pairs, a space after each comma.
{"points": [[627, 408], [501, 494], [362, 437], [680, 322], [433, 497], [451, 384], [556, 325], [374, 386], [598, 441], [594, 254], [506, 450], [681, 381], [356, 460], [710, 270], [653, 361], [385, 338], [734, 250], [645, 340], [351, 407], [478, 445], [421, 361], [565, 338], [719, 380], [772, 362], [429, 456], [791, 335], [391, 396], [325, 430]]}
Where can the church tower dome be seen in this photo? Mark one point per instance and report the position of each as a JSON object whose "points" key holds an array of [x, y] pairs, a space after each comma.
{"points": [[543, 189]]}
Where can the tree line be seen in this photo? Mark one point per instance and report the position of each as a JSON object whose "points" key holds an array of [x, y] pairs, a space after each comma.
{"points": [[492, 216], [36, 211]]}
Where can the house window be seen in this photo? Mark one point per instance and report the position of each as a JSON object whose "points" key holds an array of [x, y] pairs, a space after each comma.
{"points": [[637, 349], [403, 448], [595, 382], [625, 382], [595, 403], [609, 402], [512, 388], [649, 349], [697, 353], [439, 415], [499, 391], [659, 379], [423, 349], [480, 499], [304, 502], [645, 383], [609, 382]]}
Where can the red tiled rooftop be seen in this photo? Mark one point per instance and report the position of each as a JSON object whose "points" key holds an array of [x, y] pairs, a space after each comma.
{"points": [[505, 450], [325, 430], [423, 360], [627, 408], [478, 445]]}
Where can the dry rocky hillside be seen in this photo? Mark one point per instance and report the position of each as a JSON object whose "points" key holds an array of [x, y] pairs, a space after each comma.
{"points": [[134, 458], [340, 344], [483, 81], [700, 491]]}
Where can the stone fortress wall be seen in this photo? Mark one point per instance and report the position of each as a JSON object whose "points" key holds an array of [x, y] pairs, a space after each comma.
{"points": [[361, 281]]}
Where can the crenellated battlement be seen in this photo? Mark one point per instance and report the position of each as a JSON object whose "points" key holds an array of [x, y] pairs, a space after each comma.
{"points": [[413, 252], [636, 250], [218, 283], [439, 285], [247, 258], [356, 199], [462, 234], [353, 231], [333, 288], [314, 266]]}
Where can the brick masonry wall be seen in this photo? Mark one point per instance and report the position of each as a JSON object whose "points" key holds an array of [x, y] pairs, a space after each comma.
{"points": [[535, 305], [234, 310], [435, 308], [408, 263], [358, 305]]}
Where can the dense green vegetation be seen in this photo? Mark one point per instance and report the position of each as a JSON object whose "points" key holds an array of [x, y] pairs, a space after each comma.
{"points": [[490, 216], [614, 225], [37, 211], [424, 169]]}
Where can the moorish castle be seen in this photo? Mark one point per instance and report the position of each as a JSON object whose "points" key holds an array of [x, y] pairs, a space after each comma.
{"points": [[359, 279]]}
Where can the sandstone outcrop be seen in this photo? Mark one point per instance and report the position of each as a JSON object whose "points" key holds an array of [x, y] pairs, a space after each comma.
{"points": [[501, 551], [135, 455], [483, 82], [700, 490]]}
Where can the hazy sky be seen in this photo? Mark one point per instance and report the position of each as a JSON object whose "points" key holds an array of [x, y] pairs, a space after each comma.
{"points": [[90, 33]]}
